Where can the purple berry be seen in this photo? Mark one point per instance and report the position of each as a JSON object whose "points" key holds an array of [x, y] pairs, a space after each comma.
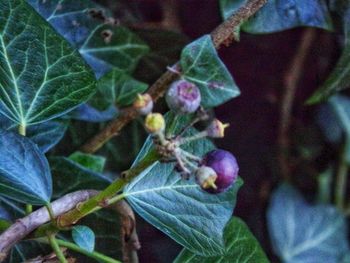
{"points": [[183, 97], [225, 166]]}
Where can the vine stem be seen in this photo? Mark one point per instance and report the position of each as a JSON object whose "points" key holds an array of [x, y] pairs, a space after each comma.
{"points": [[74, 247], [56, 248], [341, 177], [291, 80], [22, 131], [222, 35]]}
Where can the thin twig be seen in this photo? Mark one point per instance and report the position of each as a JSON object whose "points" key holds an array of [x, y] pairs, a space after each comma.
{"points": [[291, 80]]}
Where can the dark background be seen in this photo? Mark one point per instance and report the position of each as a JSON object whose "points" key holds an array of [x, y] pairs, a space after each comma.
{"points": [[258, 64]]}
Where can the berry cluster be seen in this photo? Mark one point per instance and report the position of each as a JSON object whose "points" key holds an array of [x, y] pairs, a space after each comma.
{"points": [[218, 169]]}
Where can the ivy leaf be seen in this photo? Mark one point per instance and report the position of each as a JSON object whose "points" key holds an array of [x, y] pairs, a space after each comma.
{"points": [[334, 120], [107, 232], [166, 46], [240, 246], [116, 87], [340, 76], [338, 79], [201, 65], [41, 76], [69, 176], [24, 171], [84, 237], [92, 162], [88, 113], [179, 208], [279, 15], [301, 232], [92, 30], [46, 135]]}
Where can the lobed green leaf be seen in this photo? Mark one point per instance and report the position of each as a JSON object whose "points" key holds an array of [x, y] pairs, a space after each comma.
{"points": [[240, 246]]}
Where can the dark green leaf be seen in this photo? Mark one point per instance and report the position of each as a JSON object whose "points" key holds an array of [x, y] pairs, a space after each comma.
{"points": [[340, 76], [201, 65], [240, 246], [69, 176], [345, 258], [46, 135], [278, 15], [334, 120], [92, 162], [83, 24], [122, 150], [301, 232], [24, 171], [179, 208], [88, 113], [116, 87], [41, 76], [84, 237], [106, 226], [338, 79], [166, 47], [24, 250]]}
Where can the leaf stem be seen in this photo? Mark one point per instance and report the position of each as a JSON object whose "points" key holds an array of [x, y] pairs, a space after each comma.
{"points": [[50, 211], [341, 178], [96, 255], [56, 248], [103, 198], [29, 209], [22, 130]]}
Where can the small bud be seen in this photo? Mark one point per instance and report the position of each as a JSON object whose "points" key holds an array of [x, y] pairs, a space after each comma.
{"points": [[216, 129], [143, 103], [154, 123], [183, 97], [206, 177]]}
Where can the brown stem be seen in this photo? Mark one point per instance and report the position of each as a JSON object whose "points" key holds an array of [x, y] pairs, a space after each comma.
{"points": [[22, 227], [170, 9], [129, 238], [223, 34], [291, 80]]}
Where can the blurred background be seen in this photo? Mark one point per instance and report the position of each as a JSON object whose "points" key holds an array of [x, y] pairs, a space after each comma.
{"points": [[260, 65]]}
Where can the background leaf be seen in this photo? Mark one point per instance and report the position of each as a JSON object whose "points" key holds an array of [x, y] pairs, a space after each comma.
{"points": [[334, 121], [46, 135], [84, 23], [304, 233], [41, 76], [24, 171], [278, 15], [240, 246], [84, 237], [88, 113], [116, 87], [92, 162], [69, 176], [179, 208], [338, 79], [201, 65]]}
